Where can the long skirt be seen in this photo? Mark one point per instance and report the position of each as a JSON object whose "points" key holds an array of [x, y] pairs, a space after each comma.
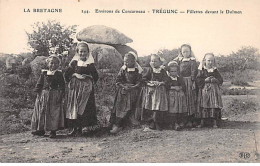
{"points": [[155, 98], [210, 101], [124, 104], [81, 106], [152, 104], [48, 111], [177, 107], [177, 102], [190, 96], [78, 95]]}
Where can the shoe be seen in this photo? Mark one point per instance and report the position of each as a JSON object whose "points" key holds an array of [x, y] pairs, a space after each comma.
{"points": [[152, 126], [147, 129], [115, 129], [182, 125], [52, 134], [215, 126], [73, 132], [177, 127], [158, 127], [39, 133], [189, 124]]}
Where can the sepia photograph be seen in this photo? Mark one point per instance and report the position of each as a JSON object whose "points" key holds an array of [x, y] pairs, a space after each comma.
{"points": [[129, 81]]}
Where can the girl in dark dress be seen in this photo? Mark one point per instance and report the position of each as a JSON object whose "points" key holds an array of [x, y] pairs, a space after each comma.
{"points": [[48, 114], [154, 102], [209, 98], [81, 76], [177, 100], [128, 81], [188, 71]]}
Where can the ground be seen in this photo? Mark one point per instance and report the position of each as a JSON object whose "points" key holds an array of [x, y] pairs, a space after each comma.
{"points": [[238, 137]]}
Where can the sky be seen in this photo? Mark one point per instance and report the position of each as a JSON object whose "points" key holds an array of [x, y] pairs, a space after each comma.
{"points": [[217, 33]]}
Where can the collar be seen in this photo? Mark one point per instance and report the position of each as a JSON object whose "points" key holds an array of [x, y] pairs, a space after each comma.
{"points": [[210, 70], [187, 59], [158, 70], [83, 63], [137, 66], [174, 78], [130, 69], [49, 72]]}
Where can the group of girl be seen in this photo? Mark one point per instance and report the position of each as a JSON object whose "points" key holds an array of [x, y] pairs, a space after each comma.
{"points": [[176, 94]]}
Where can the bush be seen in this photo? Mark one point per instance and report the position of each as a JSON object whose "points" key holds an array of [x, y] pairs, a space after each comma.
{"points": [[242, 78], [50, 36]]}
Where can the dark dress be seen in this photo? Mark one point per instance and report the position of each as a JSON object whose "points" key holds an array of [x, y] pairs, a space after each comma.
{"points": [[125, 101], [154, 101], [81, 106], [209, 97], [177, 101], [48, 111], [188, 71]]}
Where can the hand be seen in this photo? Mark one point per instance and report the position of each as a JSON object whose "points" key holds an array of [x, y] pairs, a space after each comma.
{"points": [[175, 88], [126, 87], [160, 83], [208, 79], [214, 80], [80, 76]]}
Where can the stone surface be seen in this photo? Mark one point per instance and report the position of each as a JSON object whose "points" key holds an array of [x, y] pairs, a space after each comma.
{"points": [[102, 35], [105, 56], [38, 64]]}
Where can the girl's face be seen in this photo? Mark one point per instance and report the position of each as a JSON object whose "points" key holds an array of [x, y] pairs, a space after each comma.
{"points": [[209, 59], [83, 53], [129, 62], [155, 62], [173, 71], [186, 52], [53, 64]]}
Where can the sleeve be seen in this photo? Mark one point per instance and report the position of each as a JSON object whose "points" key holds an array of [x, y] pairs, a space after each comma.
{"points": [[139, 79], [120, 77], [40, 83], [94, 72], [200, 79], [194, 70], [218, 77], [69, 71], [166, 79], [148, 75]]}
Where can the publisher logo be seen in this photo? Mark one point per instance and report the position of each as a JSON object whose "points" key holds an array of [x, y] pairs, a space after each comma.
{"points": [[244, 155]]}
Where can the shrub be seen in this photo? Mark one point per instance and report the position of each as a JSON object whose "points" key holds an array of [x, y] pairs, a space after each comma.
{"points": [[50, 36]]}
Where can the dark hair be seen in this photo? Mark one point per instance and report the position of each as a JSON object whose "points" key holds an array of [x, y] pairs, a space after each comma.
{"points": [[171, 65], [130, 56], [185, 45], [82, 44]]}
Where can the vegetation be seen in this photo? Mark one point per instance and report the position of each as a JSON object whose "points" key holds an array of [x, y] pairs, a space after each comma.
{"points": [[50, 37]]}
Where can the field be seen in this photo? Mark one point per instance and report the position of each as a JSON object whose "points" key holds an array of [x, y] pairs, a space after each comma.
{"points": [[238, 135], [237, 140]]}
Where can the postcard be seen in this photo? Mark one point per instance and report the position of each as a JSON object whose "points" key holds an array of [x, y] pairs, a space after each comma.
{"points": [[129, 81]]}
